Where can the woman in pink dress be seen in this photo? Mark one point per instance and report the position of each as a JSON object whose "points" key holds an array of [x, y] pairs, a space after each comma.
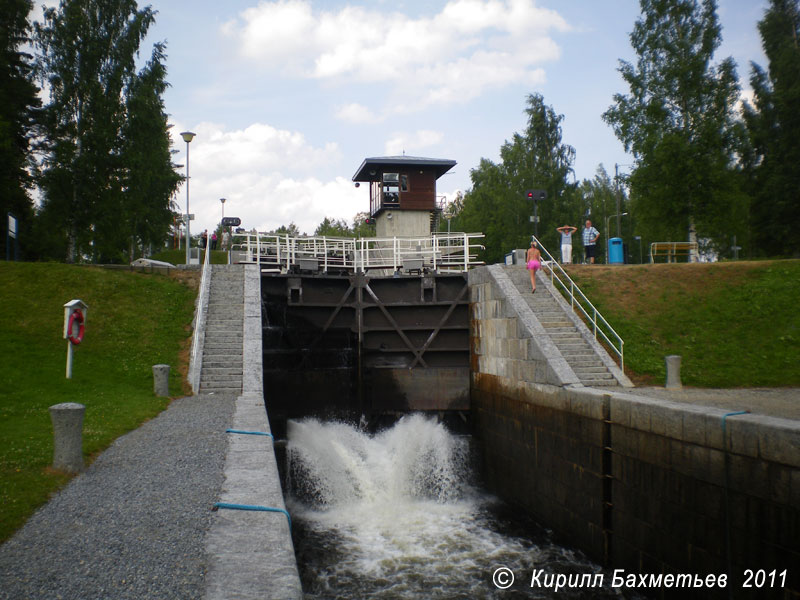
{"points": [[534, 263]]}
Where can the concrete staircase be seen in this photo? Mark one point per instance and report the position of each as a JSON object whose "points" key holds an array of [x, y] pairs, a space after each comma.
{"points": [[581, 357], [223, 345]]}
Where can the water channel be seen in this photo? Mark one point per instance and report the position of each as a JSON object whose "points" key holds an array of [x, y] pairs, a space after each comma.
{"points": [[400, 515]]}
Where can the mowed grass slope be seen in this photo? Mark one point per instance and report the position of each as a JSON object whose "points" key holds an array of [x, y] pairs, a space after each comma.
{"points": [[735, 324], [134, 321]]}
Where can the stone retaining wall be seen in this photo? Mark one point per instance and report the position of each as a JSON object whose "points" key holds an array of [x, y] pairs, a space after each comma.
{"points": [[640, 484]]}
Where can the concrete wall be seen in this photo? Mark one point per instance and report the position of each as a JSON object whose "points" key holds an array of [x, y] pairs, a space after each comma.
{"points": [[644, 485], [404, 223], [250, 553], [506, 338]]}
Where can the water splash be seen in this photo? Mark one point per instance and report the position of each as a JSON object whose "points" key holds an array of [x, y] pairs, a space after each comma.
{"points": [[394, 515]]}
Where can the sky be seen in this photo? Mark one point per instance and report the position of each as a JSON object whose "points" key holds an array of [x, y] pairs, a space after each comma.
{"points": [[288, 97]]}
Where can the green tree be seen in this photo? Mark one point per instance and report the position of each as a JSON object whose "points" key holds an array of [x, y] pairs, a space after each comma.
{"points": [[679, 123], [291, 230], [361, 228], [536, 159], [149, 180], [18, 105], [88, 50], [773, 124], [333, 228]]}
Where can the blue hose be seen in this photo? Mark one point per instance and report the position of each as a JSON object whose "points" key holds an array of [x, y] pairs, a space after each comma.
{"points": [[219, 505], [249, 432]]}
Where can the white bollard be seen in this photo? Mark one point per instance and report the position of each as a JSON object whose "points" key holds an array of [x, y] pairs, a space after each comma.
{"points": [[673, 372], [161, 380], [67, 421]]}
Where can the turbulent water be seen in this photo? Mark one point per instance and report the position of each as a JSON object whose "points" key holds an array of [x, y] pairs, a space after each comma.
{"points": [[396, 515]]}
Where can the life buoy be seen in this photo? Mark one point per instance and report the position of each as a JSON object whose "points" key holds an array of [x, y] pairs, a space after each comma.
{"points": [[75, 317]]}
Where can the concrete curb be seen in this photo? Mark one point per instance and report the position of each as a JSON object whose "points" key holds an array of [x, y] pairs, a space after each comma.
{"points": [[251, 555]]}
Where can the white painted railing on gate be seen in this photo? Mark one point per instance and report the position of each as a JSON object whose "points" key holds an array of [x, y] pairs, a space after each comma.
{"points": [[441, 252]]}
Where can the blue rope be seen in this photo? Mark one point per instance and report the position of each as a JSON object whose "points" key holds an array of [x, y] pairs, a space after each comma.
{"points": [[249, 432], [731, 414], [219, 505]]}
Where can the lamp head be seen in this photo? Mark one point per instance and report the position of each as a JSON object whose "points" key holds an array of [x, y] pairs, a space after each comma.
{"points": [[187, 136]]}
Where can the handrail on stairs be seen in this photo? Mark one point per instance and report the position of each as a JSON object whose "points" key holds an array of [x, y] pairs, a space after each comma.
{"points": [[582, 305], [195, 361]]}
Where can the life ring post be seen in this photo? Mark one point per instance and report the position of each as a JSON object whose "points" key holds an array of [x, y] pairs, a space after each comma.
{"points": [[75, 312]]}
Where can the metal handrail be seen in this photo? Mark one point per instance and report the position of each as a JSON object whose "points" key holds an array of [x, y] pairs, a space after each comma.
{"points": [[576, 297], [455, 252], [199, 324]]}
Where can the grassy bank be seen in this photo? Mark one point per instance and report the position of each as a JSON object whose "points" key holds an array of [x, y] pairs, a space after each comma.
{"points": [[134, 321], [734, 324]]}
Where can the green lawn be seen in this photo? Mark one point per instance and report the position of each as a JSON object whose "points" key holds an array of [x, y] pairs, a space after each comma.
{"points": [[734, 324], [134, 321]]}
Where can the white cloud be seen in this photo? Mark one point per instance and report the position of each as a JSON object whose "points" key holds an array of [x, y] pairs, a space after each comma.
{"points": [[412, 143], [267, 176], [468, 47], [357, 113]]}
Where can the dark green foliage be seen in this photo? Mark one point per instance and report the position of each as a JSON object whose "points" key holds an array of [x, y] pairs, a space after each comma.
{"points": [[149, 181], [774, 127], [333, 228], [678, 122], [497, 205], [107, 175], [18, 105]]}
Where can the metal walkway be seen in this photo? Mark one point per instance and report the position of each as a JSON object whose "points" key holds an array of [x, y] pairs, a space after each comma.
{"points": [[440, 252]]}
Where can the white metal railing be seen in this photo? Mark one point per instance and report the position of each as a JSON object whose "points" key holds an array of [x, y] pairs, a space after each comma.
{"points": [[582, 305], [456, 252], [195, 362]]}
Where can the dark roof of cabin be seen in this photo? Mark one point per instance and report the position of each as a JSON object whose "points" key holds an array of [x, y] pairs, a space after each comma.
{"points": [[372, 167]]}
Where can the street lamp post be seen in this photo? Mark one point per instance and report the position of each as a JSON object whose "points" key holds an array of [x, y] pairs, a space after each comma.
{"points": [[187, 136]]}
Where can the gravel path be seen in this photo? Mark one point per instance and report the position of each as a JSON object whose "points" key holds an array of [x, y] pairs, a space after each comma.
{"points": [[133, 525]]}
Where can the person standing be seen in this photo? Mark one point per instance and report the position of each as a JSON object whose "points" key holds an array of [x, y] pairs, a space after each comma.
{"points": [[590, 235], [566, 232], [533, 263]]}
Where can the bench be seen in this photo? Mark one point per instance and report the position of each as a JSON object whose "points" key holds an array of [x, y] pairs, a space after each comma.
{"points": [[672, 250]]}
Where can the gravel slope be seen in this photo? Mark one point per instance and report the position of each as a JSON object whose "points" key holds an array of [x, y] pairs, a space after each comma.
{"points": [[133, 524]]}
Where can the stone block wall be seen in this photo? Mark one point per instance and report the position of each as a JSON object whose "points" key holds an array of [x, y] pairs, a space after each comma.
{"points": [[640, 484], [646, 485], [506, 339]]}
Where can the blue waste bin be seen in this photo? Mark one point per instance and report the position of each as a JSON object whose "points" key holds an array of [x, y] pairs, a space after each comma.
{"points": [[616, 254]]}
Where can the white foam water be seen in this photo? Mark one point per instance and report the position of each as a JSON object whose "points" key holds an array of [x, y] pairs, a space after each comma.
{"points": [[394, 515]]}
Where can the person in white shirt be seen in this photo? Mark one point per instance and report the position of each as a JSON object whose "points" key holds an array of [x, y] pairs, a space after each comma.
{"points": [[566, 232]]}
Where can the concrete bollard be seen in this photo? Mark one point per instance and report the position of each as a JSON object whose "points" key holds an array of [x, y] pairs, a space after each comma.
{"points": [[67, 421], [673, 372], [161, 380]]}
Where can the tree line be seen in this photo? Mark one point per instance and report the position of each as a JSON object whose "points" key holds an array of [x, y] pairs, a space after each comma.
{"points": [[707, 167], [87, 128]]}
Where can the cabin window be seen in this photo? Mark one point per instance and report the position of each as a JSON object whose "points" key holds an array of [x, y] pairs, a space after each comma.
{"points": [[403, 183], [391, 188]]}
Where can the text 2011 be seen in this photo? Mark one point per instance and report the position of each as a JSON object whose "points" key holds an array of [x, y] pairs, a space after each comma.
{"points": [[762, 578]]}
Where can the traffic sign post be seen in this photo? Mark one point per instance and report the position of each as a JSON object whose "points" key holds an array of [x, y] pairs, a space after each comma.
{"points": [[536, 195]]}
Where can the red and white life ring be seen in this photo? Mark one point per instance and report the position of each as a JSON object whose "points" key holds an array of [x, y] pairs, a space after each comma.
{"points": [[75, 317]]}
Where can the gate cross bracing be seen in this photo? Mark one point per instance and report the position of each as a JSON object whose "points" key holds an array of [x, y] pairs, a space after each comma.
{"points": [[441, 252]]}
